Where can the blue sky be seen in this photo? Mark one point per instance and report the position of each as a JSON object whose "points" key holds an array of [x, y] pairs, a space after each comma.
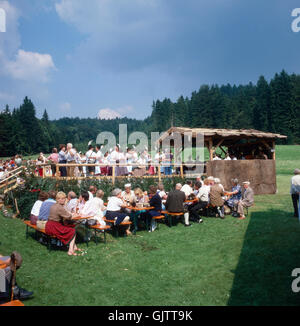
{"points": [[77, 57]]}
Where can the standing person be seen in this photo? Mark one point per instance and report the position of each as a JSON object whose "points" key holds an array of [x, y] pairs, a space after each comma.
{"points": [[129, 159], [98, 159], [104, 169], [54, 160], [62, 159], [59, 224], [114, 159], [175, 202], [294, 191], [246, 201], [90, 159], [71, 152]]}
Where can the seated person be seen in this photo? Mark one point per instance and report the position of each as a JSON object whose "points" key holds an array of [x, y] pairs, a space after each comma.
{"points": [[155, 201], [92, 190], [215, 195], [35, 211], [45, 210], [128, 194], [175, 203], [95, 208], [114, 209], [235, 194], [140, 196], [202, 197], [246, 201], [71, 202], [188, 188], [60, 224], [8, 286], [163, 195]]}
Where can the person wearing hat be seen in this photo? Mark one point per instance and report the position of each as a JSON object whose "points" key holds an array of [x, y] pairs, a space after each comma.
{"points": [[128, 194], [246, 201], [295, 190], [234, 196], [114, 209], [216, 195], [9, 290]]}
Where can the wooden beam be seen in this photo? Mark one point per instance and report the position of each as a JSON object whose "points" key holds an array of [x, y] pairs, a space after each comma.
{"points": [[210, 148]]}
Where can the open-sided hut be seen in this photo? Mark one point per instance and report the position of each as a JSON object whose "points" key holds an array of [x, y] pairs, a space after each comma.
{"points": [[255, 152]]}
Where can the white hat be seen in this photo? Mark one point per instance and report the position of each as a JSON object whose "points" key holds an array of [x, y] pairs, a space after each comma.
{"points": [[211, 178], [246, 182], [217, 180], [128, 185]]}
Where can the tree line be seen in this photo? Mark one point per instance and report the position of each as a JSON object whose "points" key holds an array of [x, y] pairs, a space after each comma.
{"points": [[267, 106]]}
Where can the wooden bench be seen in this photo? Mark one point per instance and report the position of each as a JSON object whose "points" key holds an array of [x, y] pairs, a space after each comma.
{"points": [[157, 218], [99, 228], [171, 215], [116, 227], [15, 303], [37, 230]]}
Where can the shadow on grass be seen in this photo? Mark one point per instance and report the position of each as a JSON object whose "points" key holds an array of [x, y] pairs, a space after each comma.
{"points": [[270, 252]]}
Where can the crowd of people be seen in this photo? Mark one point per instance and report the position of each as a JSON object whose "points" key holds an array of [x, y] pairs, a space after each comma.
{"points": [[57, 213], [127, 162]]}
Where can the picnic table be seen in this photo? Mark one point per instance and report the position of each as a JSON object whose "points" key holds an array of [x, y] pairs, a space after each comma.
{"points": [[135, 212]]}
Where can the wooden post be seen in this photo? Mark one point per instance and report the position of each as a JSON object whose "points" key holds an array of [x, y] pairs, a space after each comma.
{"points": [[57, 171], [113, 174], [43, 172], [273, 153], [210, 148], [181, 171], [159, 174]]}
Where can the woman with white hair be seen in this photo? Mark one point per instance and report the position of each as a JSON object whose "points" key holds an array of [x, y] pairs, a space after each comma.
{"points": [[235, 195], [114, 209], [95, 209]]}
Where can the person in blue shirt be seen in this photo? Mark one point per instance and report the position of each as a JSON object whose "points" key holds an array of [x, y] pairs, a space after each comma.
{"points": [[235, 194], [45, 210]]}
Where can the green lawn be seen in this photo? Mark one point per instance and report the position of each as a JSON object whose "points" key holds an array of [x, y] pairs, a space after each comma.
{"points": [[220, 262]]}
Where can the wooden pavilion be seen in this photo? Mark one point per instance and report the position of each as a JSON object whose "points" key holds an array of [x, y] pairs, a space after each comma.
{"points": [[254, 149]]}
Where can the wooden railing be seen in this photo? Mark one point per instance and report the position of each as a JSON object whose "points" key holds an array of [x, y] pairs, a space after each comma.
{"points": [[113, 175], [10, 182]]}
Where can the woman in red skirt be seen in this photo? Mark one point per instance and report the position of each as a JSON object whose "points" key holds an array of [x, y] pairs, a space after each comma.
{"points": [[60, 225]]}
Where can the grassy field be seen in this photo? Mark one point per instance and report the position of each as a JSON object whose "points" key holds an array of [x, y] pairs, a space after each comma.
{"points": [[220, 262]]}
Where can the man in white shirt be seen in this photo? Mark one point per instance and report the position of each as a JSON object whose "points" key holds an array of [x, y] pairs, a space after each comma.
{"points": [[295, 190], [92, 191], [71, 153], [187, 188], [202, 201], [90, 159]]}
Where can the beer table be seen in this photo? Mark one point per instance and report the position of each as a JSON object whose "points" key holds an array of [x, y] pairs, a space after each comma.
{"points": [[135, 212]]}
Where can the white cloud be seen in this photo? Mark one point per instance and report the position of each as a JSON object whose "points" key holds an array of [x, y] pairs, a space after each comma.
{"points": [[108, 114], [30, 66], [16, 63]]}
